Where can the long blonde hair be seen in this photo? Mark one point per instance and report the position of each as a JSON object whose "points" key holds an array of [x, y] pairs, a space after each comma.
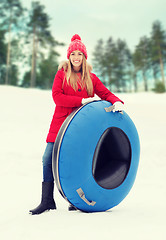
{"points": [[86, 81]]}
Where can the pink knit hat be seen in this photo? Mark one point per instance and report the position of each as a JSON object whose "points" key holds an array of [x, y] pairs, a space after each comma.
{"points": [[76, 44]]}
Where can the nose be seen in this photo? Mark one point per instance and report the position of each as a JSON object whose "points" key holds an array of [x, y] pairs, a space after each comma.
{"points": [[76, 58]]}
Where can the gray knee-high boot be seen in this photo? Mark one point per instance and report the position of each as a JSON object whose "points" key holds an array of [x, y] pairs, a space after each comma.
{"points": [[47, 200]]}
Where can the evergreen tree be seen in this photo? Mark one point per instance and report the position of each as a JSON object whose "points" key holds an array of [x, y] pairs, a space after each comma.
{"points": [[10, 12], [115, 63], [99, 59], [141, 59], [110, 61], [133, 73], [2, 56], [158, 49], [40, 34], [122, 64], [25, 82], [47, 69]]}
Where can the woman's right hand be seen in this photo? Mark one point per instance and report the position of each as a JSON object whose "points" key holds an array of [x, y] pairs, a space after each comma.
{"points": [[90, 99]]}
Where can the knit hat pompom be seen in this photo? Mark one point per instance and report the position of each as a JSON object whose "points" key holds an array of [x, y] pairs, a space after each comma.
{"points": [[75, 37], [76, 44]]}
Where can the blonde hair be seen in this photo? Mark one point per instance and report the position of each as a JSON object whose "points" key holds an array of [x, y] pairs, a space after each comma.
{"points": [[72, 77]]}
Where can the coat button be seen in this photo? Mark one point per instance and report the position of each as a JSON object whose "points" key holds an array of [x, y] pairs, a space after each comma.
{"points": [[79, 90]]}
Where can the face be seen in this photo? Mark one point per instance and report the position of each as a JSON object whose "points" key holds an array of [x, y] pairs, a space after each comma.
{"points": [[76, 58]]}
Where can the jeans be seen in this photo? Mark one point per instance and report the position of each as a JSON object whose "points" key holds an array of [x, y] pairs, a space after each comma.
{"points": [[47, 163]]}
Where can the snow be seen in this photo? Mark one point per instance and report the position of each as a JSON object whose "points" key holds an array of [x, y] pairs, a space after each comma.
{"points": [[25, 115]]}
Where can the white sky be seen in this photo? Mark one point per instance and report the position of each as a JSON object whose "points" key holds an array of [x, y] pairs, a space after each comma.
{"points": [[95, 19]]}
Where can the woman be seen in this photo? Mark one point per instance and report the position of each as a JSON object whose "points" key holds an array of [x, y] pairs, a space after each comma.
{"points": [[74, 85]]}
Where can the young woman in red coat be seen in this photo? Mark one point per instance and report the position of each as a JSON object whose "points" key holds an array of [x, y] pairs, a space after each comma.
{"points": [[74, 85]]}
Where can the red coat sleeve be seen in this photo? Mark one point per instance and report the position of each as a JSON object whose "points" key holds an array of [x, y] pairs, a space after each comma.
{"points": [[58, 95], [102, 91]]}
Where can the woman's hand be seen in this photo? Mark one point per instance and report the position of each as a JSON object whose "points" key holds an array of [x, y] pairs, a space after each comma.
{"points": [[90, 99], [118, 107]]}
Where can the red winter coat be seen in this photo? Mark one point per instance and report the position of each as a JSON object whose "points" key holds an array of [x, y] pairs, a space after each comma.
{"points": [[67, 99]]}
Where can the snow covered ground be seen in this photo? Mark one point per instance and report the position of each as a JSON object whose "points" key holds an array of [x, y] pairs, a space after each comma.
{"points": [[25, 115]]}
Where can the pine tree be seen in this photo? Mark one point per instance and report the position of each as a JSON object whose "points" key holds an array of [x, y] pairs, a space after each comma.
{"points": [[47, 69], [40, 34], [110, 60], [2, 56], [158, 49], [122, 65], [11, 11], [99, 59], [141, 59]]}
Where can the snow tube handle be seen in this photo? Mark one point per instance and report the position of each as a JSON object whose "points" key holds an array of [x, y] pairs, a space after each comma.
{"points": [[111, 108], [82, 196]]}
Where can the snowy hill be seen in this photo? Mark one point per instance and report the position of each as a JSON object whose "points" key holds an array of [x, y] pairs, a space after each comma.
{"points": [[25, 115]]}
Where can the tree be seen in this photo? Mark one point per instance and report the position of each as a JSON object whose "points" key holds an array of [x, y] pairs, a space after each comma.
{"points": [[99, 59], [158, 49], [47, 69], [11, 11], [122, 64], [133, 72], [2, 56], [141, 59], [25, 82], [40, 34], [110, 60], [121, 68]]}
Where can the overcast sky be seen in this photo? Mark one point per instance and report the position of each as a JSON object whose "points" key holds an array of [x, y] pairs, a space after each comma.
{"points": [[94, 19]]}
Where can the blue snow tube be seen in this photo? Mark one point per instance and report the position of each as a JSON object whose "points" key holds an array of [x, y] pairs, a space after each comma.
{"points": [[95, 157]]}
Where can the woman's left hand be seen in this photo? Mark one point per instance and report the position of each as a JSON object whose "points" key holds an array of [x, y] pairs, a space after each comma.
{"points": [[118, 107]]}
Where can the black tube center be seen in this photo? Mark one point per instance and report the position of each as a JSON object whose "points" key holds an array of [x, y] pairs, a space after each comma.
{"points": [[112, 158]]}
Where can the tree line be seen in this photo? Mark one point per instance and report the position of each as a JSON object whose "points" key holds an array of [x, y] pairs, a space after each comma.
{"points": [[125, 70], [26, 42], [28, 55]]}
